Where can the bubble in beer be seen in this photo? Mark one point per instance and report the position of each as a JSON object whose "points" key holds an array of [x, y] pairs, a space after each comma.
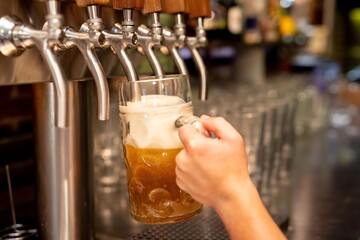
{"points": [[161, 201], [154, 157], [159, 195], [185, 198]]}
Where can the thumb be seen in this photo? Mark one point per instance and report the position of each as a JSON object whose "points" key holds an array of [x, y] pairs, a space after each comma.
{"points": [[219, 126]]}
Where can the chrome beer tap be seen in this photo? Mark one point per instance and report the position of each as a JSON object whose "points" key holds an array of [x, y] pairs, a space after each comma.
{"points": [[199, 10], [149, 38], [92, 35], [159, 36], [122, 37], [175, 39], [16, 36], [87, 40]]}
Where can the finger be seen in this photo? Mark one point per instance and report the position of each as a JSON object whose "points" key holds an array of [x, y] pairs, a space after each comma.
{"points": [[219, 126], [179, 179], [180, 159], [189, 136]]}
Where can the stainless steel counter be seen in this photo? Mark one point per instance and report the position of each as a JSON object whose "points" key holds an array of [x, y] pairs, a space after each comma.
{"points": [[113, 220]]}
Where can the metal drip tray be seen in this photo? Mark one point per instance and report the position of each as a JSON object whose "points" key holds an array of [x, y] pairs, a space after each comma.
{"points": [[113, 222], [206, 225]]}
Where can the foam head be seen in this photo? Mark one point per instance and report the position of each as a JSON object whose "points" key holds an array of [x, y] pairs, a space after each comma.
{"points": [[151, 121]]}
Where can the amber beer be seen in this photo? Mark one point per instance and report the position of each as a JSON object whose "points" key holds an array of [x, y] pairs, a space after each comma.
{"points": [[151, 144]]}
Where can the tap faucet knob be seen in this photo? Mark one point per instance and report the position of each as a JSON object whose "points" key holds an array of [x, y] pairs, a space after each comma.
{"points": [[173, 6], [84, 3], [127, 4], [198, 8], [151, 6]]}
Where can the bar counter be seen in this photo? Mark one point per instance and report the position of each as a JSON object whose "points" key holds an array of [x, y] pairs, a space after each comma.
{"points": [[319, 202], [326, 180]]}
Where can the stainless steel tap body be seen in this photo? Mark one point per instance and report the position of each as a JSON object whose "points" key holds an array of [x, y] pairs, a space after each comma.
{"points": [[145, 37], [17, 36], [87, 42], [63, 155], [148, 39], [173, 43], [120, 41], [176, 39], [193, 43]]}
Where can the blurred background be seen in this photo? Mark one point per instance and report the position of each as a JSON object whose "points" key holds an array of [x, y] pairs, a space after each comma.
{"points": [[309, 49]]}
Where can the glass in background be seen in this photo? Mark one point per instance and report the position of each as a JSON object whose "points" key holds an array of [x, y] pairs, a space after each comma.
{"points": [[270, 117], [109, 169]]}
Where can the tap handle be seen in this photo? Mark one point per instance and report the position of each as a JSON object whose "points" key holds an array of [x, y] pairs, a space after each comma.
{"points": [[151, 6], [173, 6], [198, 8], [84, 3], [127, 4]]}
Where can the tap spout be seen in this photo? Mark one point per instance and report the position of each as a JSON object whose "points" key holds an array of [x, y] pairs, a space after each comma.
{"points": [[180, 64], [147, 43], [59, 80], [119, 45], [192, 45], [25, 36], [173, 43], [80, 40], [202, 70]]}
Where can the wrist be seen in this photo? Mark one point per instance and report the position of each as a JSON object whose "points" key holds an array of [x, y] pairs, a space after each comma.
{"points": [[238, 193], [244, 215]]}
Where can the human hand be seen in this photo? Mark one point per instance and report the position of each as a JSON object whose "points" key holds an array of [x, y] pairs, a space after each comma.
{"points": [[214, 172], [210, 169]]}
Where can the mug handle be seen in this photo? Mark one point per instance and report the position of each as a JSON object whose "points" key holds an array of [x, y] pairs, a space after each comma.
{"points": [[195, 121]]}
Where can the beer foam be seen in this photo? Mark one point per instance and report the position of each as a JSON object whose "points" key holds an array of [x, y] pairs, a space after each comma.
{"points": [[152, 121]]}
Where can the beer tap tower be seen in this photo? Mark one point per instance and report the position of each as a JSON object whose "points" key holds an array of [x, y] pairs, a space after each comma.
{"points": [[64, 181], [63, 107]]}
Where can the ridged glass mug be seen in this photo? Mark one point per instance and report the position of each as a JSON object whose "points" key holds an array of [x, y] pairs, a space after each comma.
{"points": [[149, 109]]}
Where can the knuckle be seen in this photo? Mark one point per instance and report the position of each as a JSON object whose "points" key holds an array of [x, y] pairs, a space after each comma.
{"points": [[219, 120], [236, 138], [193, 144], [239, 138], [179, 158]]}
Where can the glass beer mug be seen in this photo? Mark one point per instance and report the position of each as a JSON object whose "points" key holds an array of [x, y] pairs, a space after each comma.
{"points": [[149, 109]]}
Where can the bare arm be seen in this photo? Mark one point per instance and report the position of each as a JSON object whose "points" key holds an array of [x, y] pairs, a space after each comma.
{"points": [[214, 172]]}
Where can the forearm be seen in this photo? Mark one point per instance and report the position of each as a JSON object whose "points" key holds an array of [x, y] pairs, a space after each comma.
{"points": [[246, 218]]}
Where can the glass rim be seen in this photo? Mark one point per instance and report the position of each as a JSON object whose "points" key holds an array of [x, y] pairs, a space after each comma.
{"points": [[146, 79]]}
